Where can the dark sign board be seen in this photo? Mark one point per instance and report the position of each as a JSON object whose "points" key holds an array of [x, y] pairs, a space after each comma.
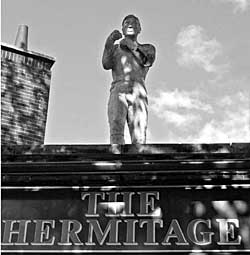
{"points": [[138, 219]]}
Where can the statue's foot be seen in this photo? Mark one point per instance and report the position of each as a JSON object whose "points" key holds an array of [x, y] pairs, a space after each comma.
{"points": [[115, 148], [137, 148]]}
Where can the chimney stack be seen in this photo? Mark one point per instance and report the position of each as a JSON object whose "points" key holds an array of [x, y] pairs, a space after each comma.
{"points": [[22, 37], [25, 86]]}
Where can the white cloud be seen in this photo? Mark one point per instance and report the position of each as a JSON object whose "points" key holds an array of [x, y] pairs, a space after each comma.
{"points": [[179, 99], [226, 101], [234, 128], [240, 98], [178, 119], [180, 108], [193, 117], [232, 125], [195, 48], [239, 5]]}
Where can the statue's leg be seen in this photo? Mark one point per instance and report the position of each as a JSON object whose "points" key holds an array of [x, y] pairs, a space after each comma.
{"points": [[117, 112], [138, 115]]}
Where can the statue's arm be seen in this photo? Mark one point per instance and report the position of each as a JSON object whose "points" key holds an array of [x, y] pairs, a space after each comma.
{"points": [[107, 58], [146, 54]]}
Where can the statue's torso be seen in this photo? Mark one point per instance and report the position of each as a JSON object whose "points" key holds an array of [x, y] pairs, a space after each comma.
{"points": [[126, 67]]}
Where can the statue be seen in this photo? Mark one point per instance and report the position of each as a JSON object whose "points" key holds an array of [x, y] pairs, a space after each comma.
{"points": [[129, 62]]}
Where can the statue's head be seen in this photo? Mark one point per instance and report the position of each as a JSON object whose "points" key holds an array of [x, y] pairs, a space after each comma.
{"points": [[131, 25]]}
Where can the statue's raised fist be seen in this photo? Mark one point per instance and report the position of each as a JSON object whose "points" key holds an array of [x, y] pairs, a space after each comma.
{"points": [[115, 35]]}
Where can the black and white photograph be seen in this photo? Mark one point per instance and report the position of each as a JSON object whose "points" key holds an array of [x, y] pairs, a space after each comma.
{"points": [[125, 127]]}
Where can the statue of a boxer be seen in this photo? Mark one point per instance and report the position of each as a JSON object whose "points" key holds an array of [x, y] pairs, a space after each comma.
{"points": [[129, 62]]}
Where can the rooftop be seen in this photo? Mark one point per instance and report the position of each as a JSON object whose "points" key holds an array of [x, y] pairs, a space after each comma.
{"points": [[168, 164]]}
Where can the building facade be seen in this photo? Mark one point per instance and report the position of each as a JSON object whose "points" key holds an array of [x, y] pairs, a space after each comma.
{"points": [[154, 198]]}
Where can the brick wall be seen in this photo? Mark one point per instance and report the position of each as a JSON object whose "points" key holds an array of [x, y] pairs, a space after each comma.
{"points": [[25, 85]]}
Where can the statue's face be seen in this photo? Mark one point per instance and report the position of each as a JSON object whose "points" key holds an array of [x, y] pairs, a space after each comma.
{"points": [[131, 26]]}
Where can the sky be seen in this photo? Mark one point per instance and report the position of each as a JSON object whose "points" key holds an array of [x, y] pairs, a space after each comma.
{"points": [[198, 87]]}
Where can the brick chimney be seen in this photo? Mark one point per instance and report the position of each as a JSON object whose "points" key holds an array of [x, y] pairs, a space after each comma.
{"points": [[25, 85]]}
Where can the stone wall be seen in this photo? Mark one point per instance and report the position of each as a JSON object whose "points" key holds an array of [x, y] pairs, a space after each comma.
{"points": [[25, 86]]}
